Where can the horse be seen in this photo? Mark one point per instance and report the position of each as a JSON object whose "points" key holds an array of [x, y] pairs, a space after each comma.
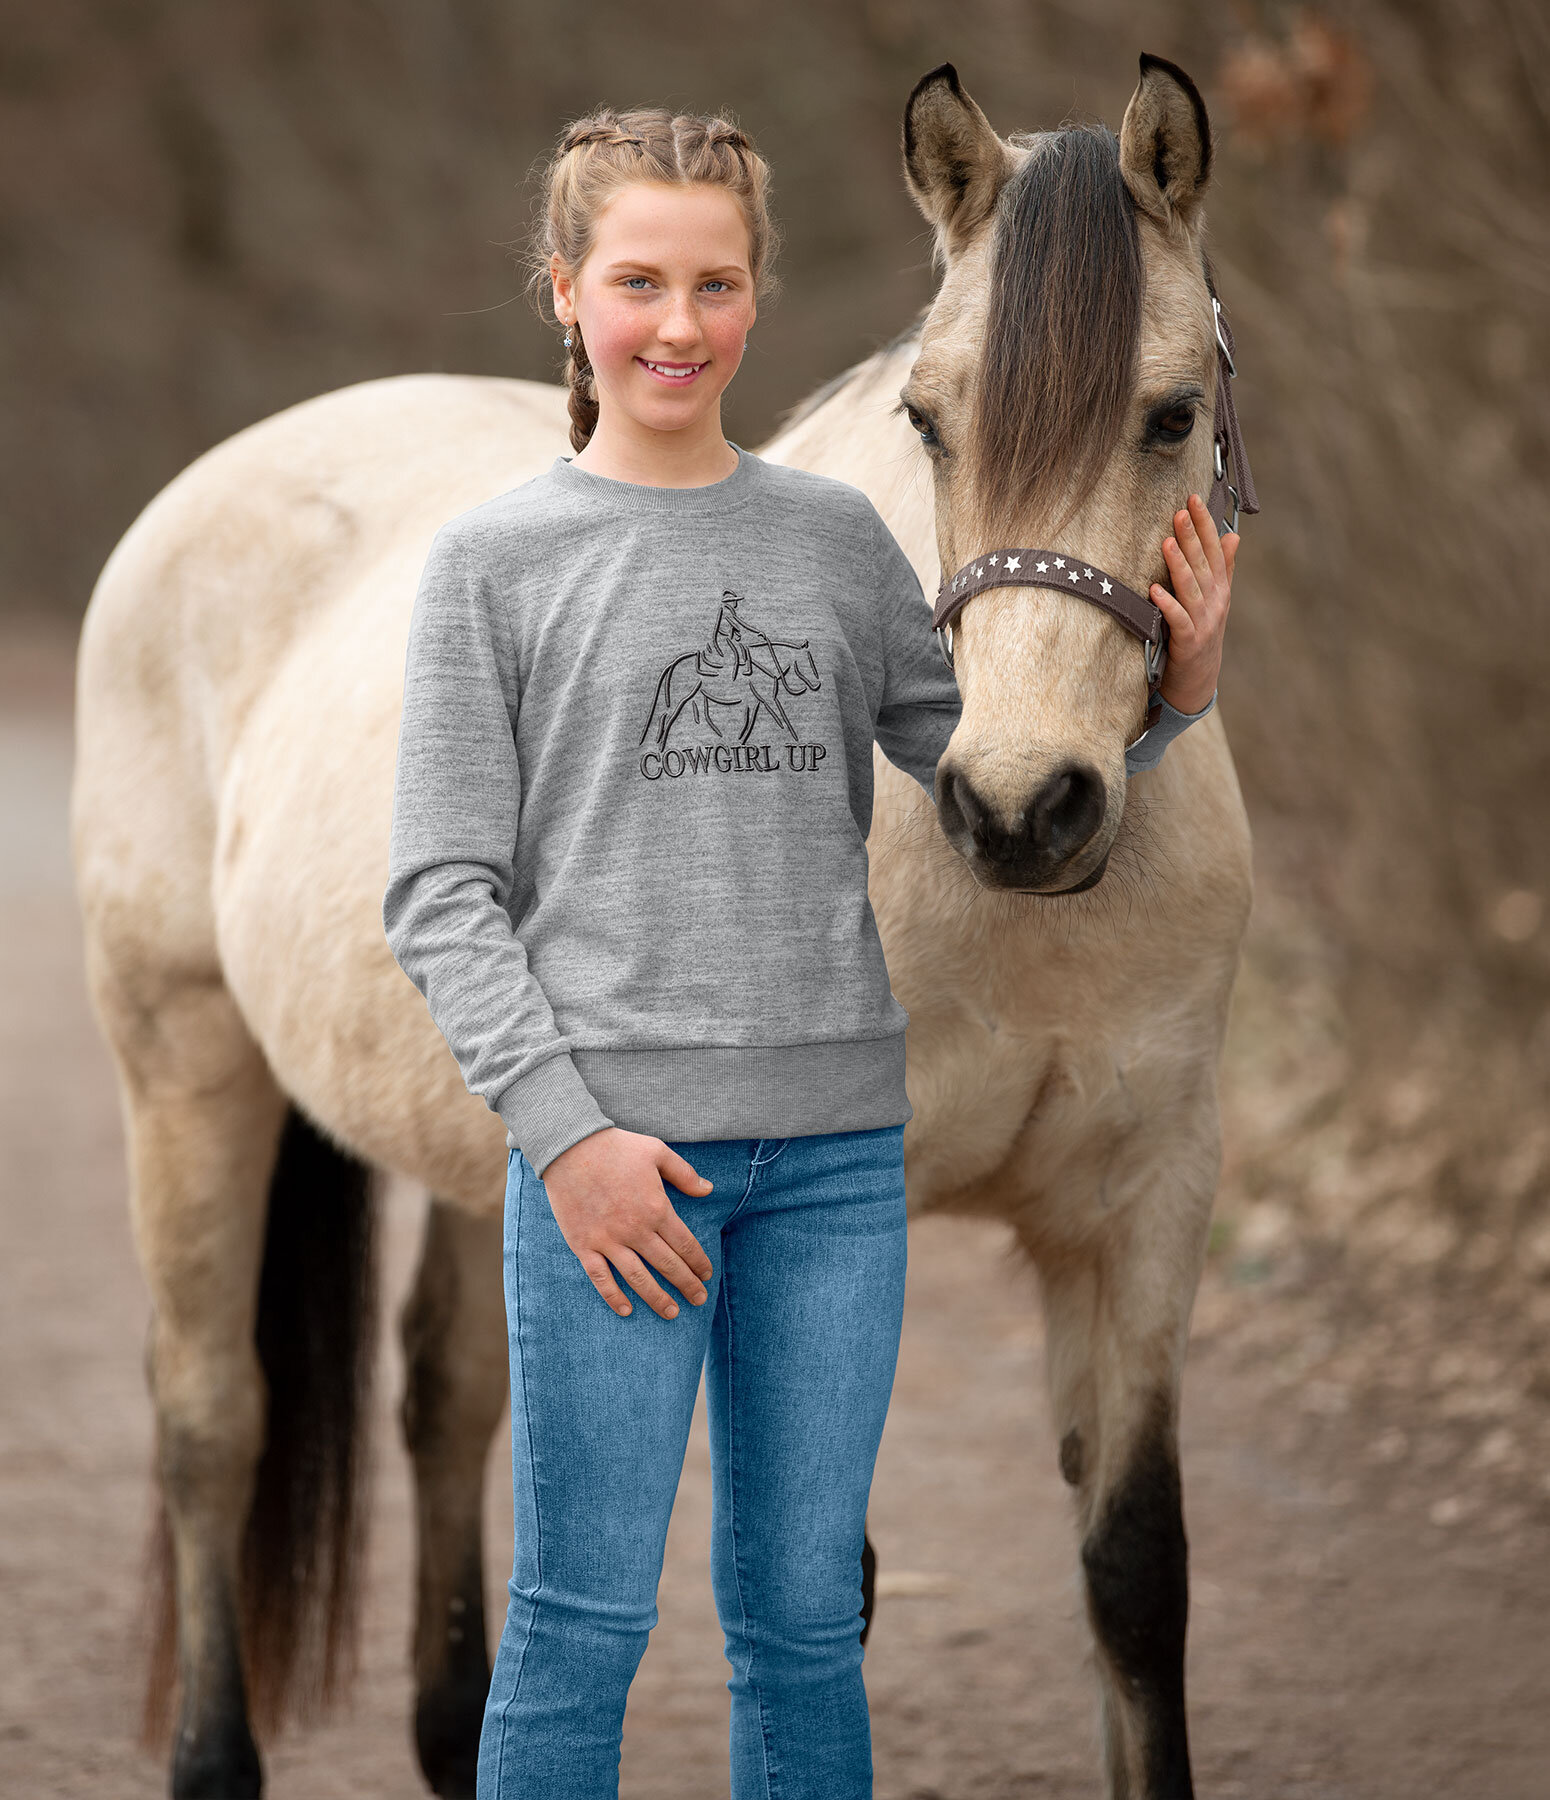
{"points": [[238, 692], [726, 671]]}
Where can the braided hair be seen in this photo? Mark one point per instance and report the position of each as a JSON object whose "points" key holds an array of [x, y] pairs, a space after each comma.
{"points": [[606, 150]]}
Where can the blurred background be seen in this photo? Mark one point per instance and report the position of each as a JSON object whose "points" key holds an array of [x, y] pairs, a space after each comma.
{"points": [[210, 212]]}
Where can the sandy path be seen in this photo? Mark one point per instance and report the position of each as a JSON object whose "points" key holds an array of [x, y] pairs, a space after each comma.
{"points": [[1337, 1648]]}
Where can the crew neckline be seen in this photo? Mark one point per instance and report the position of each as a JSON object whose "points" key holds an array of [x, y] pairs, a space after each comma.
{"points": [[634, 496]]}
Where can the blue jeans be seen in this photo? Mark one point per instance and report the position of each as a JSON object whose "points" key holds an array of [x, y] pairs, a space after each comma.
{"points": [[799, 1337]]}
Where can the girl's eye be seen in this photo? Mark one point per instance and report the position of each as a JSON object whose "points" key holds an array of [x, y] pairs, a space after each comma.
{"points": [[715, 282]]}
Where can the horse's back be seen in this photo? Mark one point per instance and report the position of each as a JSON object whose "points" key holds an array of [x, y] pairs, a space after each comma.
{"points": [[238, 687], [202, 596]]}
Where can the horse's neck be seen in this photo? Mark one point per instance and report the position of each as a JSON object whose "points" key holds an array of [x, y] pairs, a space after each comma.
{"points": [[855, 435]]}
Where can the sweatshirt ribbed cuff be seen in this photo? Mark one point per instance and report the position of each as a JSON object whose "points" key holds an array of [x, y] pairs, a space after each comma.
{"points": [[549, 1109], [1147, 751]]}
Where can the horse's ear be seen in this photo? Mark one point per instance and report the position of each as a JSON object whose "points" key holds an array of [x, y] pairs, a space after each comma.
{"points": [[954, 163], [1165, 143]]}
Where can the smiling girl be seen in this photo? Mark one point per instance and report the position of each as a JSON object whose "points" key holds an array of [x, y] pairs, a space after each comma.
{"points": [[629, 875]]}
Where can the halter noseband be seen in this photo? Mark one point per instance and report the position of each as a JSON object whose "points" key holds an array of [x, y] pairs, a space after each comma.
{"points": [[1071, 575]]}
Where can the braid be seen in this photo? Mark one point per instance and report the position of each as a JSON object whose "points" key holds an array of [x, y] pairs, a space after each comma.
{"points": [[583, 405], [722, 131], [588, 131]]}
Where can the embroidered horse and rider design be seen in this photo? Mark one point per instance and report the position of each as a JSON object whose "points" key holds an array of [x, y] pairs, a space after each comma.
{"points": [[742, 670]]}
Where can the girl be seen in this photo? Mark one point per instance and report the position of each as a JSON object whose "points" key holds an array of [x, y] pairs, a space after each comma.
{"points": [[629, 875]]}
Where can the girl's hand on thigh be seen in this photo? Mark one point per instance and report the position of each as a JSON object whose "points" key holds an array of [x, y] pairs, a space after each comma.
{"points": [[608, 1198]]}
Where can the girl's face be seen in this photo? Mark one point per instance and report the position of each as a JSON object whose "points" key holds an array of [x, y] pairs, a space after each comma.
{"points": [[664, 298]]}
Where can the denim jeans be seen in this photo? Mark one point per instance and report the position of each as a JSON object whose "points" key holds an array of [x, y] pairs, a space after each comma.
{"points": [[799, 1337]]}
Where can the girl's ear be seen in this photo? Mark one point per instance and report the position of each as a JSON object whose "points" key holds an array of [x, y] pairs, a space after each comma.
{"points": [[954, 163], [1165, 143], [562, 286]]}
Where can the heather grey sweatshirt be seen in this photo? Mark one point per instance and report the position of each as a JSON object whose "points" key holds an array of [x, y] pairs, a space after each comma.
{"points": [[628, 866]]}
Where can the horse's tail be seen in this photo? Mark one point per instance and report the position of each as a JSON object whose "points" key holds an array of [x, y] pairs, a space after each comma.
{"points": [[658, 724], [315, 1336]]}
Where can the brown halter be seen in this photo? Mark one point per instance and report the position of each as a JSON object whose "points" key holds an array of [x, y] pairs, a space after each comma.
{"points": [[1071, 575]]}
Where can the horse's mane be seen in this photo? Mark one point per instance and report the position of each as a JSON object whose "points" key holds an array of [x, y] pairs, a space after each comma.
{"points": [[805, 408], [1058, 356]]}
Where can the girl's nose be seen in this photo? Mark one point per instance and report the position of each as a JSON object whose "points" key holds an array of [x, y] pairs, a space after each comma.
{"points": [[680, 322]]}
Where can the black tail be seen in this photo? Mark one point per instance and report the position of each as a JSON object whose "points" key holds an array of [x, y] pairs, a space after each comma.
{"points": [[316, 1335]]}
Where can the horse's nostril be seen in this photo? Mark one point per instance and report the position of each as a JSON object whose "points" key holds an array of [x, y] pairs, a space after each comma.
{"points": [[962, 798], [1066, 811]]}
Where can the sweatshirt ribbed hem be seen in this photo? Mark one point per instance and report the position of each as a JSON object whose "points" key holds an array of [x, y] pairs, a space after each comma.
{"points": [[695, 1094], [723, 496]]}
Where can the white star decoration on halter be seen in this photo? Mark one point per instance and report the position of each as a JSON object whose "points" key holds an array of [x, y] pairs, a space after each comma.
{"points": [[1009, 564]]}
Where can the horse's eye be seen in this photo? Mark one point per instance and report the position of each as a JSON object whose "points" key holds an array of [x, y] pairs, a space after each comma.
{"points": [[1173, 426], [919, 422]]}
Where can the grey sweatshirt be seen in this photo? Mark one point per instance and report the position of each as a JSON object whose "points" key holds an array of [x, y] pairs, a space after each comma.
{"points": [[628, 867]]}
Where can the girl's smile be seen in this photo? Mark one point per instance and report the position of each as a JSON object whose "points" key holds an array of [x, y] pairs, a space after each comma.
{"points": [[671, 374]]}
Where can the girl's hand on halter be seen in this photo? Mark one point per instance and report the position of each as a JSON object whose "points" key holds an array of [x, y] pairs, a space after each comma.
{"points": [[607, 1197], [1201, 566]]}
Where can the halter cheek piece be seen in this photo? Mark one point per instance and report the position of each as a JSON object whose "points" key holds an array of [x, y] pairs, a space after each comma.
{"points": [[1070, 575]]}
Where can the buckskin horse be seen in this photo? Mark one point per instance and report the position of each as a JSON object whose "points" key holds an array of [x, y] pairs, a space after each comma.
{"points": [[1064, 943]]}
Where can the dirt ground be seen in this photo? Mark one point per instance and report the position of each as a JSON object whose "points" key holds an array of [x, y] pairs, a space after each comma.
{"points": [[1370, 1578]]}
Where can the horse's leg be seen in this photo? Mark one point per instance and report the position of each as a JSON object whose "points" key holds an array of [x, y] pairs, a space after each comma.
{"points": [[868, 1584], [203, 1118], [772, 701], [1117, 1319], [454, 1334]]}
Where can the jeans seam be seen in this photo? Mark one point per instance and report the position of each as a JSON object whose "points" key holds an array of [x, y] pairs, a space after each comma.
{"points": [[737, 1572], [753, 1170], [538, 1544]]}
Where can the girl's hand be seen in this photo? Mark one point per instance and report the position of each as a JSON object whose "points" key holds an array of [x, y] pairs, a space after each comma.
{"points": [[1201, 566], [608, 1199]]}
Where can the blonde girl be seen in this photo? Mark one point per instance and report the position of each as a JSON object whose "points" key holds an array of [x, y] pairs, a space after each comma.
{"points": [[629, 875]]}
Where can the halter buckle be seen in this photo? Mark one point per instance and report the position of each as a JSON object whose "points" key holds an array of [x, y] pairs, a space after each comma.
{"points": [[944, 642], [1221, 341], [1156, 661]]}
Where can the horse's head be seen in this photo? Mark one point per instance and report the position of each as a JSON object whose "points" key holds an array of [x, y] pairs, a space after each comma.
{"points": [[1063, 394]]}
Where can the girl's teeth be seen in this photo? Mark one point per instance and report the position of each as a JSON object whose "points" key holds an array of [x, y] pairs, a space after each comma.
{"points": [[677, 374]]}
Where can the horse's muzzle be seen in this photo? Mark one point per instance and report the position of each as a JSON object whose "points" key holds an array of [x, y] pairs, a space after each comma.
{"points": [[1032, 851]]}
